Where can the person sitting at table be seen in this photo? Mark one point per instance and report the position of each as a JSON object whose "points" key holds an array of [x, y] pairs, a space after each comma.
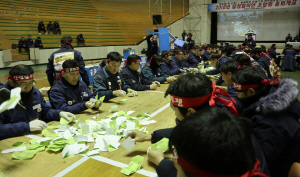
{"points": [[189, 93], [166, 66], [32, 112], [190, 60], [206, 54], [108, 81], [151, 71], [273, 107], [177, 60], [69, 93], [289, 38], [196, 54], [216, 61], [131, 76], [288, 61], [296, 38], [272, 52], [261, 60], [200, 140]]}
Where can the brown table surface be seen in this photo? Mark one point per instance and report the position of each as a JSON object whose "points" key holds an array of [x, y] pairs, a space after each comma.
{"points": [[48, 163]]}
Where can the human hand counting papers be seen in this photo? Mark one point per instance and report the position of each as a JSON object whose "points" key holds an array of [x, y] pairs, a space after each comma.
{"points": [[13, 101], [134, 166], [163, 144]]}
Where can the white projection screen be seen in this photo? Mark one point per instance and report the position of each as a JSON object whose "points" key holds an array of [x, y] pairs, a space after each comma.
{"points": [[268, 25]]}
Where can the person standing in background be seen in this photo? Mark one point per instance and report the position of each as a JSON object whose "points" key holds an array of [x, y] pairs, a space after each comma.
{"points": [[183, 35]]}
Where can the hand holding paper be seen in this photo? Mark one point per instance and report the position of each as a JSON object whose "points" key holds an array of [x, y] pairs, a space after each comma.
{"points": [[66, 115], [138, 136], [89, 104], [129, 90], [155, 156], [157, 83], [119, 93]]}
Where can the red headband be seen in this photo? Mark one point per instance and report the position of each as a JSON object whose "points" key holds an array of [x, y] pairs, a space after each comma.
{"points": [[178, 53], [70, 43], [213, 58], [198, 172], [67, 70], [20, 77], [134, 61], [240, 87], [185, 102]]}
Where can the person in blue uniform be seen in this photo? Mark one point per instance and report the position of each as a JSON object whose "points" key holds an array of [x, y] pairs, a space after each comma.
{"points": [[261, 60], [196, 54], [80, 39], [66, 52], [131, 76], [22, 44], [38, 43], [50, 27], [217, 60], [56, 27], [219, 131], [296, 38], [108, 81], [274, 109], [289, 38], [272, 52], [152, 46], [70, 94], [221, 47], [190, 42], [166, 65], [288, 61], [29, 42], [206, 54], [41, 27], [151, 71], [32, 113], [189, 94], [190, 60], [250, 41], [177, 60]]}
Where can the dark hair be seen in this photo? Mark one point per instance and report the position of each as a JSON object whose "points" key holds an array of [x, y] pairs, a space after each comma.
{"points": [[256, 51], [190, 85], [21, 70], [263, 48], [190, 34], [114, 56], [229, 49], [29, 35], [132, 57], [241, 58], [250, 75], [38, 37], [273, 45], [66, 39], [164, 53], [221, 142], [177, 50], [186, 51], [230, 66], [215, 55], [70, 64]]}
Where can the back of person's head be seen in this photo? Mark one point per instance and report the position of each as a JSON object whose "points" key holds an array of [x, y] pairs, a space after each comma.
{"points": [[256, 51], [114, 56], [263, 48], [215, 55], [242, 59], [39, 38], [229, 49], [273, 45], [21, 70], [229, 66], [190, 86], [177, 51], [164, 53], [133, 58], [250, 75], [213, 141], [185, 52], [66, 39], [70, 64], [287, 46]]}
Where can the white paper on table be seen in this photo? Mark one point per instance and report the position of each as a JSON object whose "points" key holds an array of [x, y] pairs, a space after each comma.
{"points": [[104, 125], [113, 140], [114, 114], [43, 139], [85, 129], [110, 131], [99, 138], [93, 152], [67, 134], [90, 139], [101, 132], [81, 138], [128, 144], [72, 129], [101, 144], [17, 149], [92, 122], [62, 128], [81, 124], [83, 149], [130, 112], [143, 129], [75, 148], [58, 137], [65, 151], [120, 120], [57, 131], [147, 122], [130, 125]]}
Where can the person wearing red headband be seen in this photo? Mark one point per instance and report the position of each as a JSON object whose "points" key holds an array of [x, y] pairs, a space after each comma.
{"points": [[273, 107], [108, 81], [273, 53], [57, 58], [151, 71], [179, 61], [189, 93], [214, 143], [190, 60], [217, 61], [196, 53], [31, 113], [131, 76], [166, 66], [69, 93], [261, 60]]}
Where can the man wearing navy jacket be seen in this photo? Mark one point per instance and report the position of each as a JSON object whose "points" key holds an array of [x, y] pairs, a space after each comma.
{"points": [[131, 76], [66, 52], [22, 44], [32, 112], [166, 65], [70, 94], [289, 38], [108, 81]]}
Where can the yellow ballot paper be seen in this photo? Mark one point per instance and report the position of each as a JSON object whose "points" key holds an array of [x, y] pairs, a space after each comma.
{"points": [[134, 166]]}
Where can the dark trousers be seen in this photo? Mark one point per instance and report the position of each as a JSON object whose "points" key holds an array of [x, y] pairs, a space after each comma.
{"points": [[49, 30], [80, 41], [41, 29], [57, 30], [39, 46], [23, 48]]}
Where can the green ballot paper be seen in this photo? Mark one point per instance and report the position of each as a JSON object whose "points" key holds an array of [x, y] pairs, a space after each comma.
{"points": [[134, 166], [163, 144], [26, 154], [19, 144], [64, 121], [46, 133]]}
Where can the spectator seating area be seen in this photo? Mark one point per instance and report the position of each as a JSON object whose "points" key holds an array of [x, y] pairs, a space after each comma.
{"points": [[95, 19]]}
